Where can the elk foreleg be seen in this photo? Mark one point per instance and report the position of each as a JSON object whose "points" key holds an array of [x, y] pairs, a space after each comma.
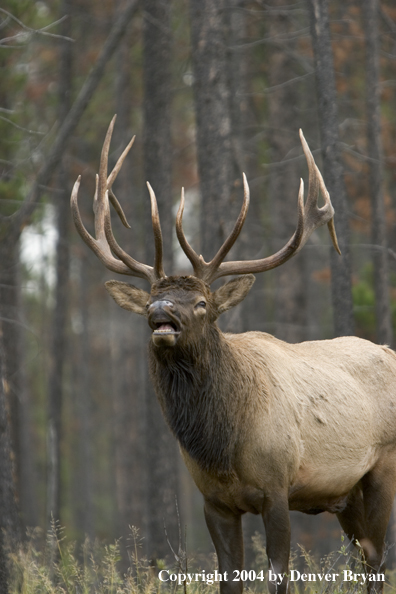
{"points": [[225, 529], [277, 528]]}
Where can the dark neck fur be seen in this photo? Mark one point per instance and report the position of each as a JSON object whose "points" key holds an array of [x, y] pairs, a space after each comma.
{"points": [[193, 385]]}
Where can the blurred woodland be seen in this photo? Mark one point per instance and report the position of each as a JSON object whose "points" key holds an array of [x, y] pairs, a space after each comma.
{"points": [[211, 88]]}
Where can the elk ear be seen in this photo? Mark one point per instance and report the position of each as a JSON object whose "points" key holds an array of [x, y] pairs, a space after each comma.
{"points": [[128, 297], [233, 292]]}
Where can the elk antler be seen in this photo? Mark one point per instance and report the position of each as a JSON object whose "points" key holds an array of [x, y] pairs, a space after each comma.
{"points": [[105, 244], [310, 217]]}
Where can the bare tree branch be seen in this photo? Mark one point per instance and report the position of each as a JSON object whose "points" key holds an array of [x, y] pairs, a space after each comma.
{"points": [[16, 222], [388, 20], [20, 127], [42, 31]]}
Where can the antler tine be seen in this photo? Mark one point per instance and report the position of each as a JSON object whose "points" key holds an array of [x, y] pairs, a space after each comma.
{"points": [[111, 179], [310, 217], [116, 169], [213, 265], [155, 221], [136, 268], [311, 207], [105, 243], [99, 206], [202, 269], [196, 261], [118, 208], [99, 248], [106, 183]]}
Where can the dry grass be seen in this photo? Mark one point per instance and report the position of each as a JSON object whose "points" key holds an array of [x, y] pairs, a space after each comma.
{"points": [[58, 568]]}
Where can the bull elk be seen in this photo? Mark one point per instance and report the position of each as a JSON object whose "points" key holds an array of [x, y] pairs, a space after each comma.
{"points": [[263, 426]]}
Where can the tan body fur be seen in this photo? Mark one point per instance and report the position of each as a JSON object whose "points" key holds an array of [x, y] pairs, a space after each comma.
{"points": [[324, 415]]}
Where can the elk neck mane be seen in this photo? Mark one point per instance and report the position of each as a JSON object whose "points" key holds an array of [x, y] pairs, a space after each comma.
{"points": [[193, 385]]}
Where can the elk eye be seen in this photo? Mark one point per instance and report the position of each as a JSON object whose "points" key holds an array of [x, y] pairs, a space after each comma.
{"points": [[201, 304]]}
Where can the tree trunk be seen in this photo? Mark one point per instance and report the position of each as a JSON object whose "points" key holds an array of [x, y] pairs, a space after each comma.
{"points": [[332, 169], [11, 228], [58, 350], [213, 121], [14, 373], [243, 160], [291, 289], [161, 451], [370, 10], [127, 354], [9, 518], [84, 411]]}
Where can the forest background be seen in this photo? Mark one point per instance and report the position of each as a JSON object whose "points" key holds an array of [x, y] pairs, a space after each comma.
{"points": [[211, 88]]}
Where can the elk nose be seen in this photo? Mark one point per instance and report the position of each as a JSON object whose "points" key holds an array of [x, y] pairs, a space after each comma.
{"points": [[160, 305]]}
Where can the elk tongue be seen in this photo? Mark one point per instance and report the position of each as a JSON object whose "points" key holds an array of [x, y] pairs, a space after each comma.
{"points": [[164, 328]]}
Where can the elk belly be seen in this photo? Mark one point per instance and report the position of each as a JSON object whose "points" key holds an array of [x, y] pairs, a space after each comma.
{"points": [[326, 488]]}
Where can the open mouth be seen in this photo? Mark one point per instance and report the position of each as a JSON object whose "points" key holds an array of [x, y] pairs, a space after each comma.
{"points": [[165, 328]]}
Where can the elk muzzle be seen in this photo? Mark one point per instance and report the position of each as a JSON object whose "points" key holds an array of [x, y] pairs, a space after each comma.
{"points": [[164, 323]]}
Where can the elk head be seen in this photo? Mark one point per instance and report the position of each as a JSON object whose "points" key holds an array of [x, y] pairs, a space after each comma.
{"points": [[178, 303]]}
